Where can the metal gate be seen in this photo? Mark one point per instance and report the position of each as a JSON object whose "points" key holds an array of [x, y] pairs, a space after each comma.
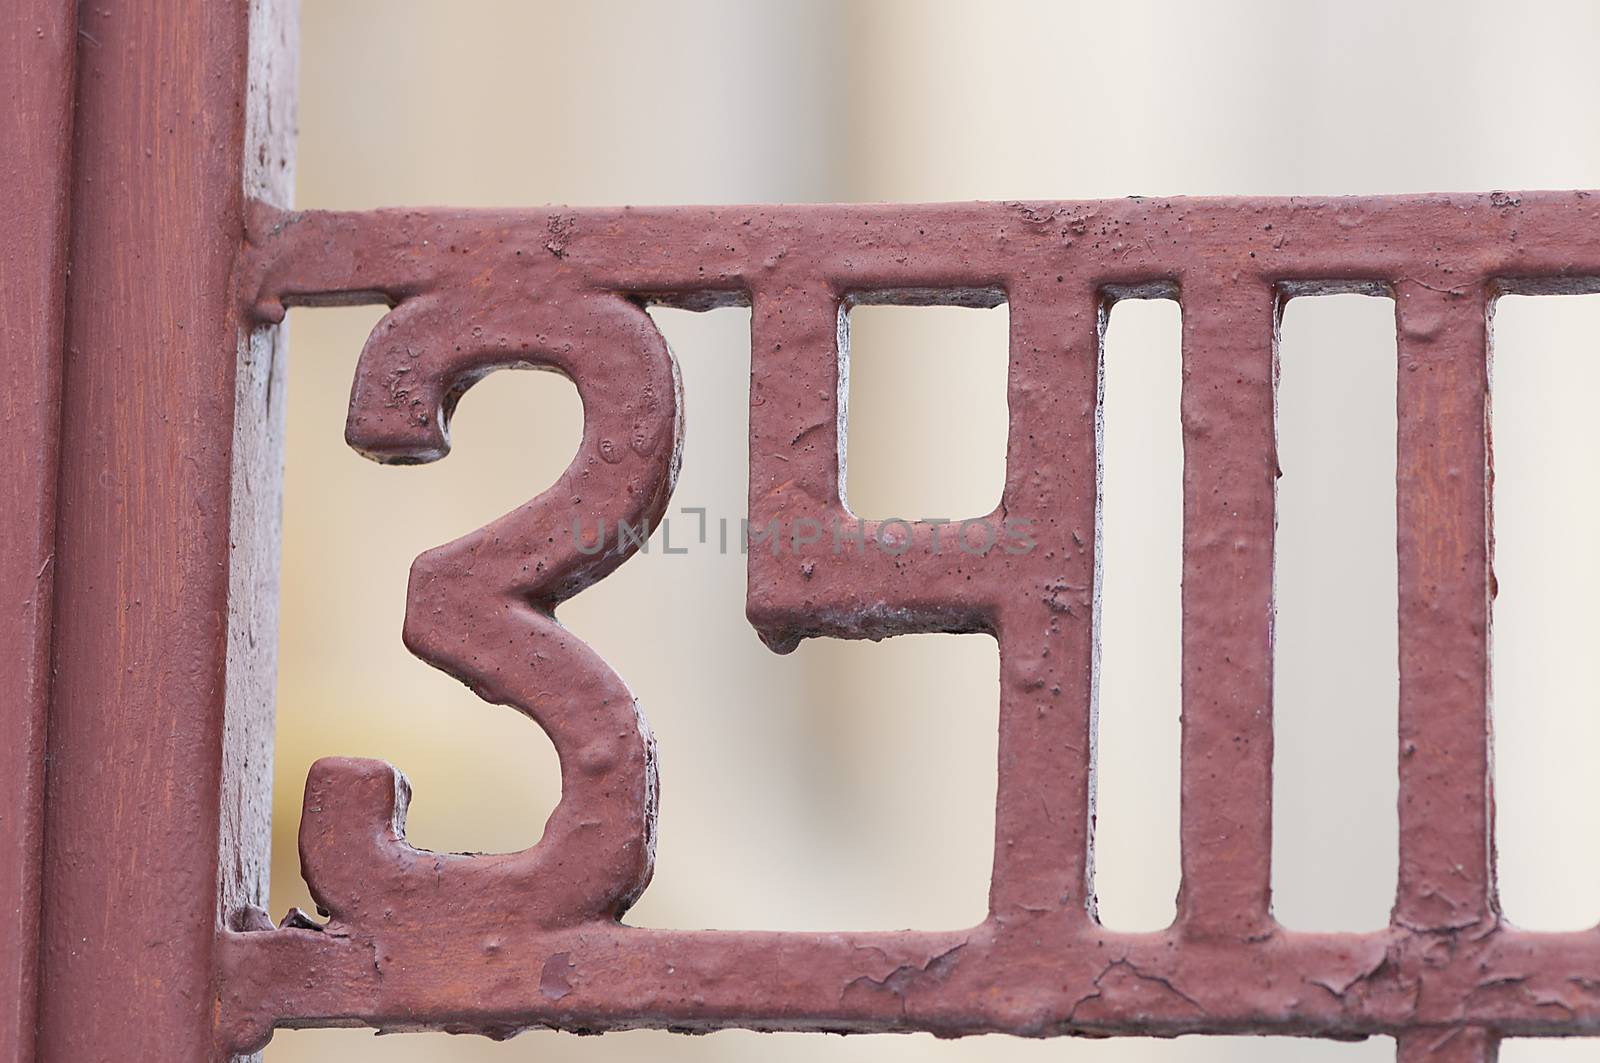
{"points": [[141, 539]]}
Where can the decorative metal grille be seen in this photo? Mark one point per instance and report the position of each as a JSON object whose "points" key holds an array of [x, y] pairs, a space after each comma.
{"points": [[494, 944]]}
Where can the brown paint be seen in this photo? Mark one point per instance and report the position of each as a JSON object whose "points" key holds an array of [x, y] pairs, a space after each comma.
{"points": [[150, 832], [496, 944], [36, 62]]}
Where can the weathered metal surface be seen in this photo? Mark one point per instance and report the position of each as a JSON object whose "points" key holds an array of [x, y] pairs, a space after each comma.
{"points": [[493, 944], [36, 52], [158, 763]]}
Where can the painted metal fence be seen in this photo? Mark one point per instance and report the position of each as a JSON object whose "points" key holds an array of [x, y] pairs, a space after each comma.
{"points": [[144, 517]]}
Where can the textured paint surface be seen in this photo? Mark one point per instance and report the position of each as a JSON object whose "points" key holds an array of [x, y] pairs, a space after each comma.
{"points": [[156, 806], [36, 64], [494, 944]]}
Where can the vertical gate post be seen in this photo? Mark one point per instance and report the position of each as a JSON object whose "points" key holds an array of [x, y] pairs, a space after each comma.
{"points": [[36, 53], [160, 728]]}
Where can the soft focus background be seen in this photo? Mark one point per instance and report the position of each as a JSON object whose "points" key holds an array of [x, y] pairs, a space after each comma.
{"points": [[849, 785]]}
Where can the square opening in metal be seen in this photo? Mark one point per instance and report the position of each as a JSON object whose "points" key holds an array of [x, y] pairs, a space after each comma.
{"points": [[924, 411]]}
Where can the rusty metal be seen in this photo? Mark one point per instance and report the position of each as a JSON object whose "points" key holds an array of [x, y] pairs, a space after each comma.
{"points": [[494, 944]]}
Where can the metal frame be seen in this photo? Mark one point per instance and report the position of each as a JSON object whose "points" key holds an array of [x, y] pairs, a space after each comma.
{"points": [[144, 126], [36, 43], [144, 393], [418, 939]]}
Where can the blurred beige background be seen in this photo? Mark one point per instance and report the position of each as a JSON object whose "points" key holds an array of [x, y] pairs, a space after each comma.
{"points": [[849, 785]]}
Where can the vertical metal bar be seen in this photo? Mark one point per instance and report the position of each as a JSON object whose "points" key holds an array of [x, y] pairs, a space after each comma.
{"points": [[1044, 788], [1229, 483], [1459, 1045], [36, 62], [139, 859], [1445, 876], [795, 337]]}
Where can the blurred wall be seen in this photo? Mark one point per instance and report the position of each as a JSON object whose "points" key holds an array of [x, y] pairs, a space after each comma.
{"points": [[850, 785]]}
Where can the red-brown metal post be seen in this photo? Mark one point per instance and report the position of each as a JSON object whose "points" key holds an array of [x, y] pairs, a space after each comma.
{"points": [[1229, 524], [36, 56], [1446, 806], [158, 729]]}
